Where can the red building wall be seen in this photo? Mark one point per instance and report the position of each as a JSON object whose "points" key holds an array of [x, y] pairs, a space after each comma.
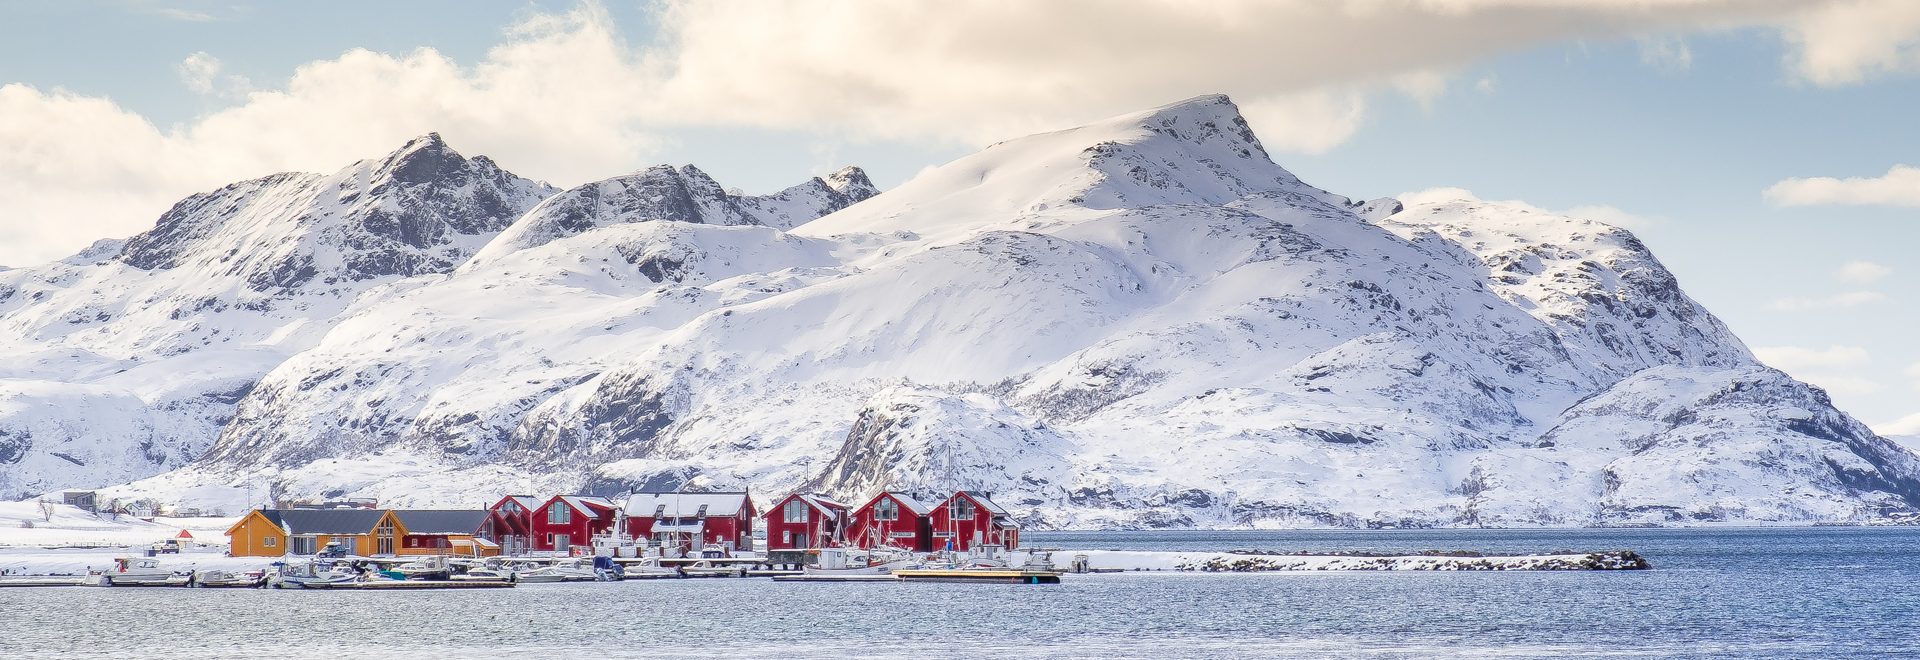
{"points": [[578, 527], [966, 532], [908, 530], [815, 528], [510, 524]]}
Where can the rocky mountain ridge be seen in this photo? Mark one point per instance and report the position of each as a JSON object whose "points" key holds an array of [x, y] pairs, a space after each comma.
{"points": [[1139, 322]]}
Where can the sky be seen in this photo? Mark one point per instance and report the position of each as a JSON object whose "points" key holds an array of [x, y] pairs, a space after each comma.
{"points": [[1764, 149]]}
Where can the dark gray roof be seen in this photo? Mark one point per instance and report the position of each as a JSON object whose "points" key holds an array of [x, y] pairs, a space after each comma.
{"points": [[325, 521], [442, 521]]}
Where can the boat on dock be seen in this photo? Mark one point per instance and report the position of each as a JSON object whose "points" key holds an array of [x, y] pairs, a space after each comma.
{"points": [[979, 575], [136, 572], [379, 585]]}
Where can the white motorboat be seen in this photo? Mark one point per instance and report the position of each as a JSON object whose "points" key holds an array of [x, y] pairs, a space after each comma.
{"points": [[486, 575], [425, 568], [845, 561], [228, 579], [136, 572], [647, 568], [563, 571], [298, 576]]}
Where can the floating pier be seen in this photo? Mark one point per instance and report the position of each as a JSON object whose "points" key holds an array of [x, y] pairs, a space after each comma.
{"points": [[383, 585], [976, 575]]}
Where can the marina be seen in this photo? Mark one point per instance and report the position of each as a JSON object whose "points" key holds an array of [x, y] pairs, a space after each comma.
{"points": [[1788, 580]]}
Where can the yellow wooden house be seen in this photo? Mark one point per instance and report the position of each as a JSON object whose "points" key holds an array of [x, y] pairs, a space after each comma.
{"points": [[432, 532], [277, 532]]}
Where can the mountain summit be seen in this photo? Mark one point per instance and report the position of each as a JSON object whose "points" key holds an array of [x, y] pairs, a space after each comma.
{"points": [[1139, 322]]}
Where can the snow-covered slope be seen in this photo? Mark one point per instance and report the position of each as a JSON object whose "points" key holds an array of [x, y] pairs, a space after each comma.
{"points": [[1142, 321], [127, 359]]}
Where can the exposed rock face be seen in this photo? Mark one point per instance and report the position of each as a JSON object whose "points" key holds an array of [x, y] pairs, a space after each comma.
{"points": [[127, 359], [1142, 322]]}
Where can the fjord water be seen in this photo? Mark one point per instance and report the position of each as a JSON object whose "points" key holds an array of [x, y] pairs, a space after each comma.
{"points": [[1790, 593]]}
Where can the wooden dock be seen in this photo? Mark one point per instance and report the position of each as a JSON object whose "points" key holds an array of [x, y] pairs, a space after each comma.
{"points": [[379, 585], [981, 576]]}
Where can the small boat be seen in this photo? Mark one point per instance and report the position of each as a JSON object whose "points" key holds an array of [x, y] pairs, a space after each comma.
{"points": [[565, 571], [136, 572], [486, 574], [427, 568], [217, 579], [313, 575], [648, 568], [843, 562]]}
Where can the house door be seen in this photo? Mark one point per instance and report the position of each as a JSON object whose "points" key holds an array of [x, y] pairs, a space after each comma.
{"points": [[561, 543]]}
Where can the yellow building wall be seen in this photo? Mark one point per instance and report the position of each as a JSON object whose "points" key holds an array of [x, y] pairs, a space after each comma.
{"points": [[255, 536]]}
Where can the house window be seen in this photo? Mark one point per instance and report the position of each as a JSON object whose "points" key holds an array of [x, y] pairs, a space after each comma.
{"points": [[559, 514], [270, 542], [796, 511], [303, 545], [887, 509], [962, 508]]}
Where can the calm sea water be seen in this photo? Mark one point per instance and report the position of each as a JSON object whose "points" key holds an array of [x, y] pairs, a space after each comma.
{"points": [[1789, 593]]}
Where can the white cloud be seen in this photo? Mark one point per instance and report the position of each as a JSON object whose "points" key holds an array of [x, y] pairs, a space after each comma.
{"points": [[1846, 42], [1905, 426], [1833, 368], [1666, 52], [198, 71], [1836, 301], [1602, 213], [1862, 272], [1487, 84], [565, 98], [1900, 186], [1795, 358]]}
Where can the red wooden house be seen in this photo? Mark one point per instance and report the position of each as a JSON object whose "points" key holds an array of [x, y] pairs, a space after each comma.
{"points": [[566, 522], [970, 518], [509, 524], [891, 519], [804, 520], [692, 520]]}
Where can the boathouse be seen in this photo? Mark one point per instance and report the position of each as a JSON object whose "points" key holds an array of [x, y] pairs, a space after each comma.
{"points": [[804, 520], [509, 523], [277, 532], [433, 532], [970, 518], [891, 519], [567, 523], [692, 520]]}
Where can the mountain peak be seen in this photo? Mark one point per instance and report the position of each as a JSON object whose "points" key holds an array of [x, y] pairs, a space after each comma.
{"points": [[852, 182], [421, 160]]}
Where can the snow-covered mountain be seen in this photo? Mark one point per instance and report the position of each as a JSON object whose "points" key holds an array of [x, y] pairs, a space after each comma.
{"points": [[1143, 321]]}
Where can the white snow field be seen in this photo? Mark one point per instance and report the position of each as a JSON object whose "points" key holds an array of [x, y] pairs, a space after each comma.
{"points": [[1142, 322]]}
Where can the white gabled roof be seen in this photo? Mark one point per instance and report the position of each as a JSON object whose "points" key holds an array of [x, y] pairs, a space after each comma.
{"points": [[580, 503], [824, 504], [685, 505], [918, 507], [985, 503]]}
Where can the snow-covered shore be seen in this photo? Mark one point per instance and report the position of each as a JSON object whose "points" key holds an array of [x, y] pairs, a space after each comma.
{"points": [[1236, 562], [28, 525]]}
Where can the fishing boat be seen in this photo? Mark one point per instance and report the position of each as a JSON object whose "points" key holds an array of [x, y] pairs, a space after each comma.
{"points": [[843, 561], [564, 571], [136, 572], [647, 568], [217, 579], [426, 568], [311, 575]]}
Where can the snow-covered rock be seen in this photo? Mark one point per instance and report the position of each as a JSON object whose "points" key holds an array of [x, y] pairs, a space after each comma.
{"points": [[1139, 322], [127, 358]]}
